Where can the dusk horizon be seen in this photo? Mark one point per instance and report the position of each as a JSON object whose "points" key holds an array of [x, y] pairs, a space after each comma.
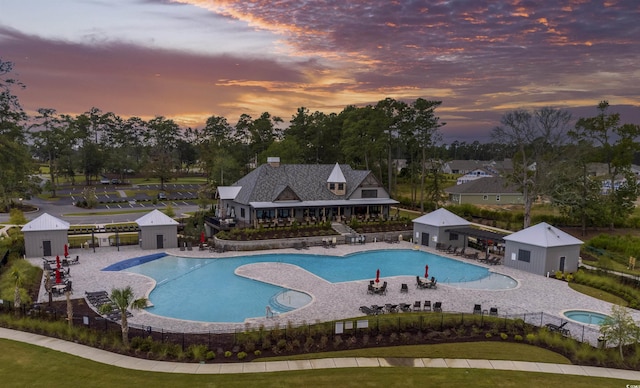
{"points": [[189, 60]]}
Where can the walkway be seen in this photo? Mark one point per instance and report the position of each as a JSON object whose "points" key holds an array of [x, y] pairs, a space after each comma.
{"points": [[122, 361]]}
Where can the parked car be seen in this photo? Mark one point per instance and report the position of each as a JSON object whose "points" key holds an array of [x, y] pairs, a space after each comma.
{"points": [[162, 196], [105, 181], [115, 181]]}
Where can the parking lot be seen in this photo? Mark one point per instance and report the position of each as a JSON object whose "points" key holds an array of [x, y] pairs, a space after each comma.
{"points": [[111, 196]]}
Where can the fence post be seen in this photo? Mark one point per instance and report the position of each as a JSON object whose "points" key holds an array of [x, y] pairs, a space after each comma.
{"points": [[441, 321], [183, 341]]}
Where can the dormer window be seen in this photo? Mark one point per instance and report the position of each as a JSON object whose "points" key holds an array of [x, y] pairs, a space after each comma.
{"points": [[336, 183]]}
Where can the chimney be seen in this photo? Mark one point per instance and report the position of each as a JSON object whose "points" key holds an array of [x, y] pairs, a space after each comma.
{"points": [[273, 161]]}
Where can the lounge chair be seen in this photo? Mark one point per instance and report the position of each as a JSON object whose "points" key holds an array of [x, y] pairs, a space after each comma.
{"points": [[461, 252], [367, 310], [437, 307], [559, 329], [447, 249], [452, 251], [477, 309], [472, 256], [416, 305], [391, 308], [377, 309], [404, 288], [495, 260], [426, 306], [493, 311], [405, 307]]}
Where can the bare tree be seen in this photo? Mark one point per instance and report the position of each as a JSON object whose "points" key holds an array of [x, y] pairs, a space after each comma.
{"points": [[536, 136]]}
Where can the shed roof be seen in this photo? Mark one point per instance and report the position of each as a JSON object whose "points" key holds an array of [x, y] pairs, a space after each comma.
{"points": [[45, 222], [156, 218], [441, 217], [543, 235]]}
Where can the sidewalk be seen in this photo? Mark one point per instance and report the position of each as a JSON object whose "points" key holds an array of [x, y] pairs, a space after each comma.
{"points": [[121, 361]]}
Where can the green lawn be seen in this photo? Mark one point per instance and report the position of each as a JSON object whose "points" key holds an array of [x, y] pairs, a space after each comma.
{"points": [[24, 365], [477, 350], [598, 294]]}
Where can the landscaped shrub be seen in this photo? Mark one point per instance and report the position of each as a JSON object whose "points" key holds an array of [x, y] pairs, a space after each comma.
{"points": [[228, 354], [242, 355], [504, 336], [197, 352]]}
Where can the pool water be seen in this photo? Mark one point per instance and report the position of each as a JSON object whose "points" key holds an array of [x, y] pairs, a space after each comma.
{"points": [[588, 317], [208, 290]]}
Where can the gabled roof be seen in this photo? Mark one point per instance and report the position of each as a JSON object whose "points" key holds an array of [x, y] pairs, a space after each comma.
{"points": [[543, 235], [228, 192], [307, 181], [336, 175], [45, 222], [486, 185], [156, 218], [441, 217]]}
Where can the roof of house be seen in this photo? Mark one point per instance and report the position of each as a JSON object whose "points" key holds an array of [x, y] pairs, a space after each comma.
{"points": [[543, 235], [45, 222], [488, 185], [156, 218], [464, 165], [303, 182], [441, 217]]}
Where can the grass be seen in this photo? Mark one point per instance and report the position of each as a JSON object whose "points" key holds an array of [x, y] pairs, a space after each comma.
{"points": [[476, 350], [598, 294], [28, 365]]}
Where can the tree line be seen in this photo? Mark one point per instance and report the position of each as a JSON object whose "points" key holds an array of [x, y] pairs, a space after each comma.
{"points": [[550, 150]]}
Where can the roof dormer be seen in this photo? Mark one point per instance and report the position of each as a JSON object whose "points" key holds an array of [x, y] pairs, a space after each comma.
{"points": [[336, 183]]}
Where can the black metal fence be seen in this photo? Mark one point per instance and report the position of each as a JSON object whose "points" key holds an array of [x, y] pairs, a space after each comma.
{"points": [[274, 330]]}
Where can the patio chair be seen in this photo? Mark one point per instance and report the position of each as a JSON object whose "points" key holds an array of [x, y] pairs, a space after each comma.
{"points": [[433, 284], [404, 288], [420, 283], [383, 289], [416, 305], [477, 309], [437, 307], [370, 289], [493, 311], [426, 306]]}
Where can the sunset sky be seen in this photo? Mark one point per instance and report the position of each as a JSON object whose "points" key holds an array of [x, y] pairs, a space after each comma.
{"points": [[191, 59]]}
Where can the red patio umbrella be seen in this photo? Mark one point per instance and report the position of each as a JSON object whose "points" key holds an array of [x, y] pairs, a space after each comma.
{"points": [[203, 238], [58, 277], [426, 271], [58, 262], [66, 250], [378, 276]]}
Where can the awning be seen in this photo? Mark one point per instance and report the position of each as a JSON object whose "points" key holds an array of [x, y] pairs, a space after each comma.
{"points": [[479, 233]]}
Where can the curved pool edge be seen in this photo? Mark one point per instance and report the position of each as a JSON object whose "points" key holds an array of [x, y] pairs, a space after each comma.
{"points": [[564, 316]]}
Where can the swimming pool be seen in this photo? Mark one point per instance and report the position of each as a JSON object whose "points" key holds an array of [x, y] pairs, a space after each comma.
{"points": [[208, 290], [584, 316]]}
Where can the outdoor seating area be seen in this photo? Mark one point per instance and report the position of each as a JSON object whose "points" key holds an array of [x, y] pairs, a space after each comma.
{"points": [[422, 284], [377, 288]]}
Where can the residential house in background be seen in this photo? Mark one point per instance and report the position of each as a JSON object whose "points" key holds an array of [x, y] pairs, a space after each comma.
{"points": [[485, 191]]}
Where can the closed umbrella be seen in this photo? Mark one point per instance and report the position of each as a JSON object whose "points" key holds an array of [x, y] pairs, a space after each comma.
{"points": [[58, 262], [58, 276], [426, 271], [66, 250], [203, 238], [378, 276]]}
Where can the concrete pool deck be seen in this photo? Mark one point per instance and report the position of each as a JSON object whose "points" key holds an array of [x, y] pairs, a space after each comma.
{"points": [[334, 301]]}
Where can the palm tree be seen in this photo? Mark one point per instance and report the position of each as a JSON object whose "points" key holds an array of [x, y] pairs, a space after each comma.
{"points": [[123, 299], [18, 277]]}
